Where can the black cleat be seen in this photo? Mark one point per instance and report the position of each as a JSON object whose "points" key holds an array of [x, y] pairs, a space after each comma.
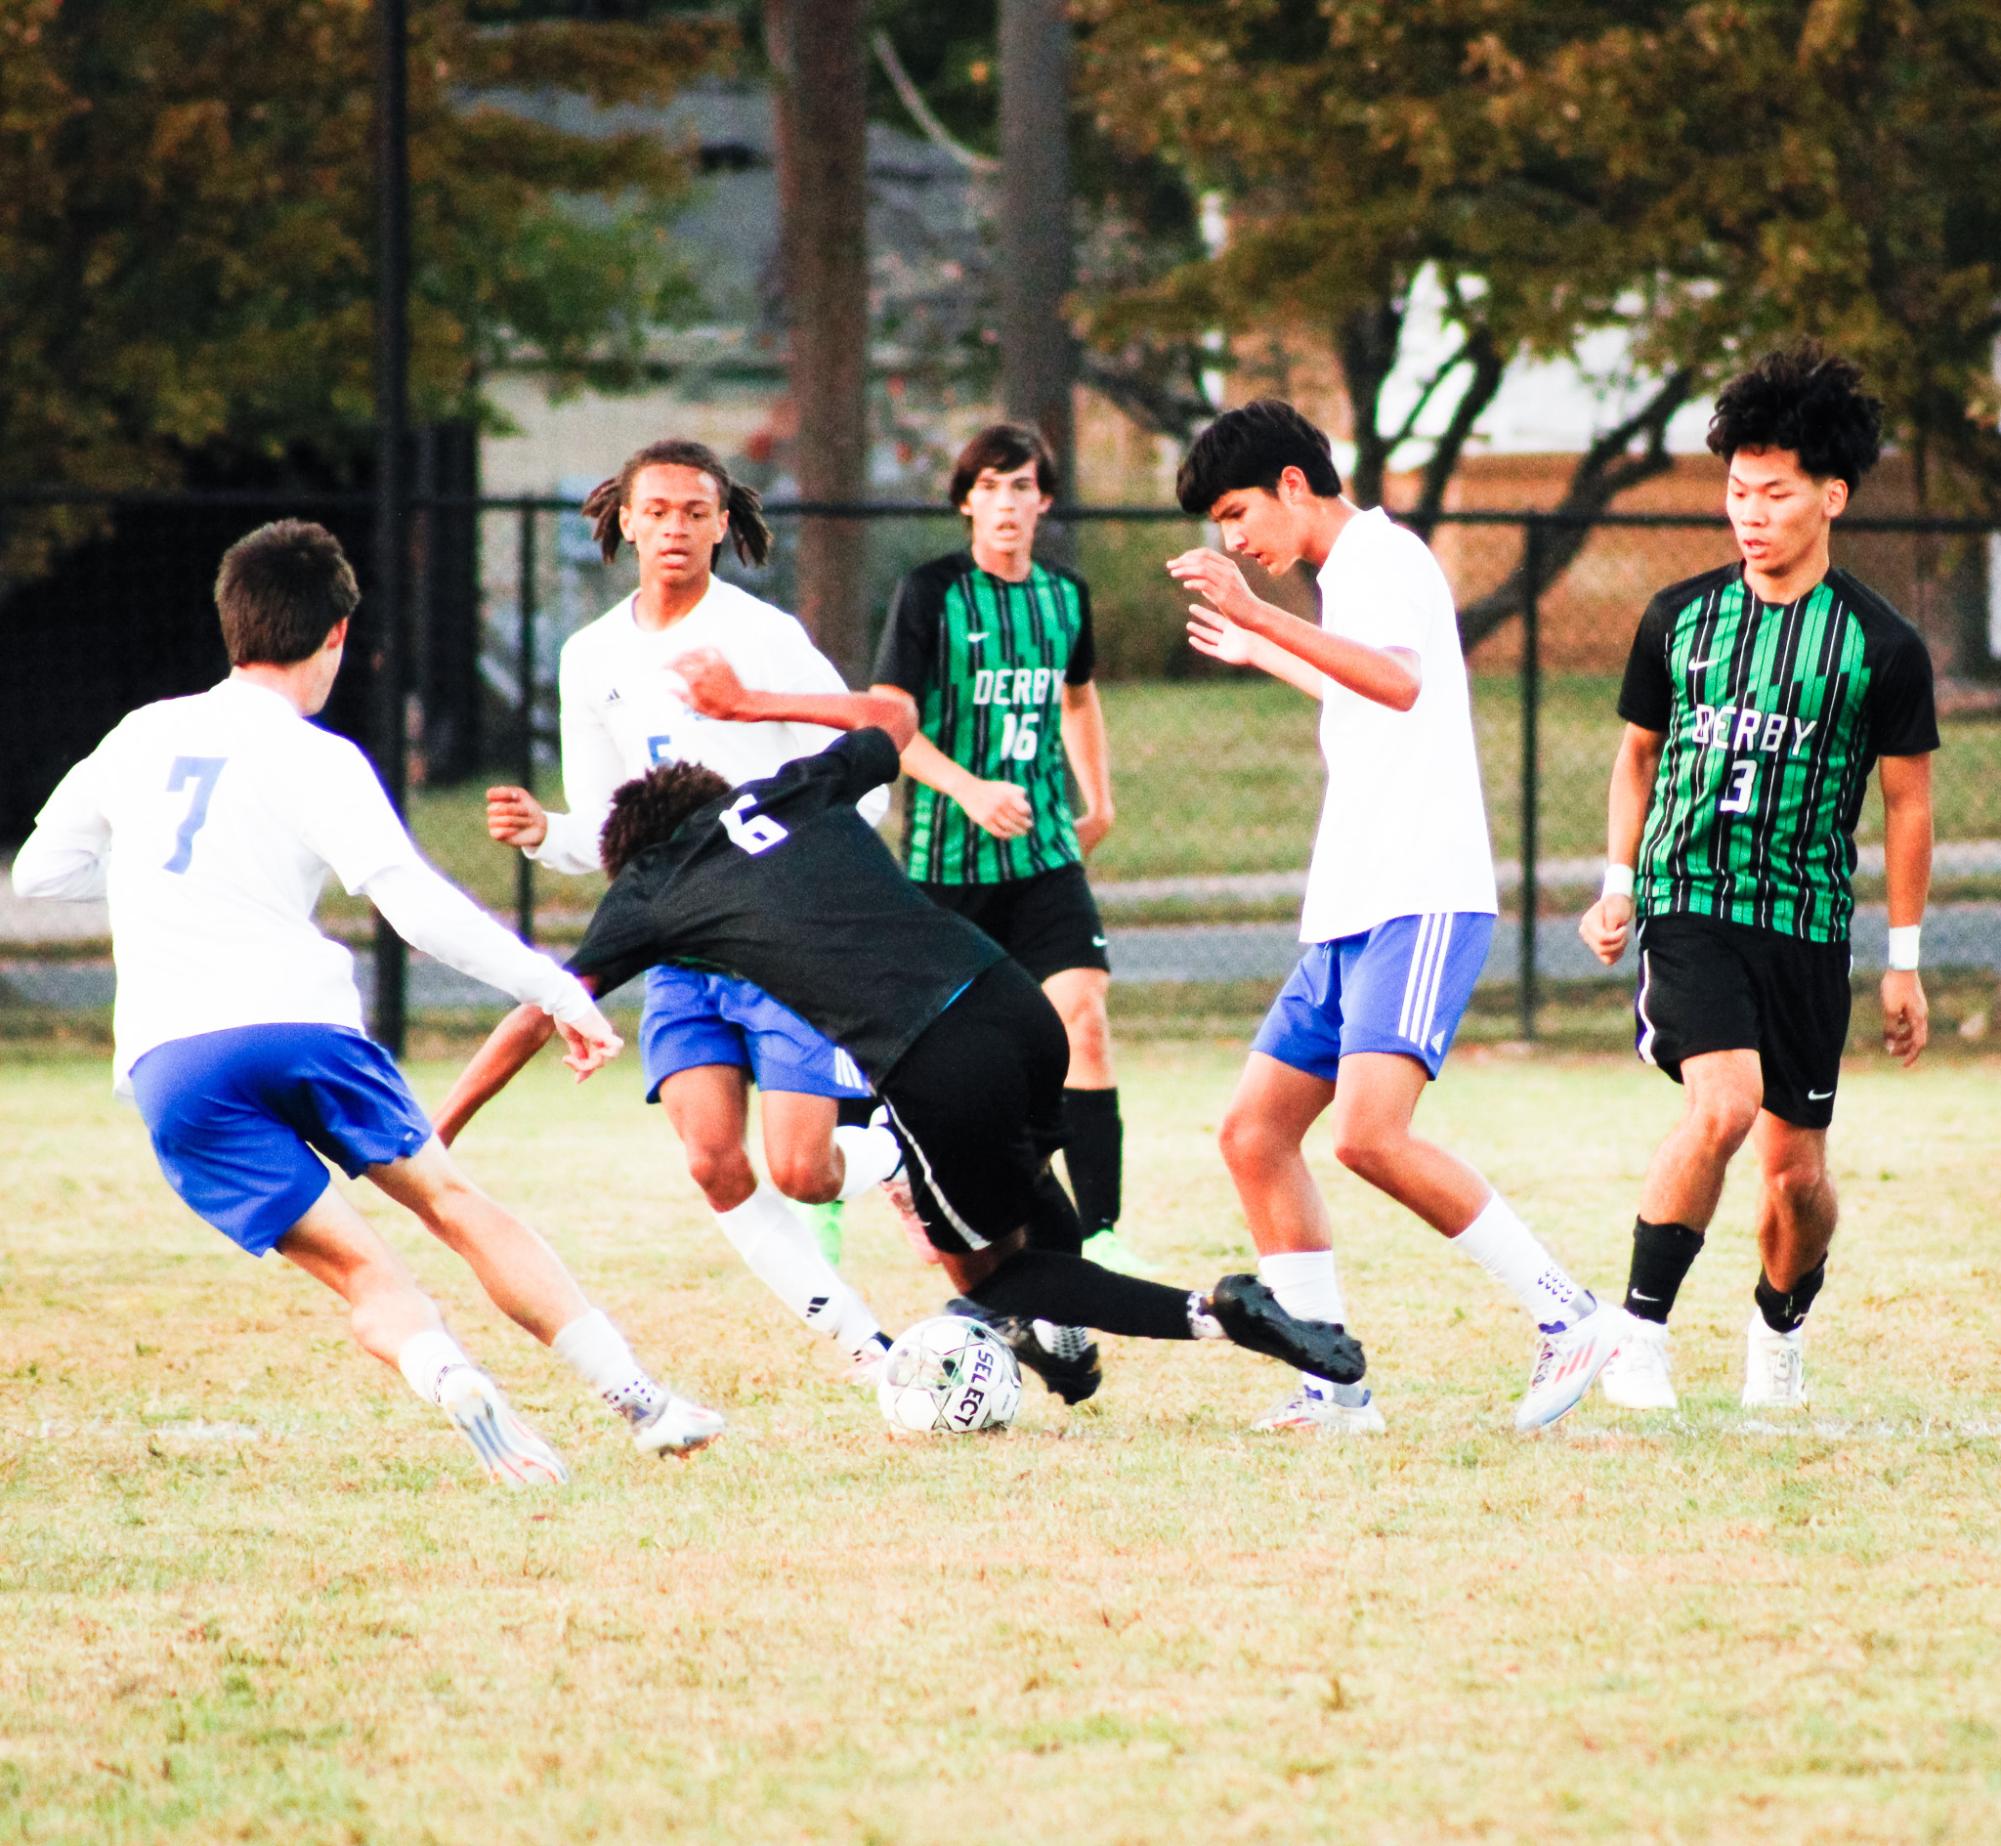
{"points": [[1250, 1314], [1073, 1379]]}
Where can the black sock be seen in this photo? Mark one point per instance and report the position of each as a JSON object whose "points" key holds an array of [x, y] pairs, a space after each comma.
{"points": [[1052, 1220], [1094, 1153], [1046, 1285], [1661, 1256], [1785, 1308]]}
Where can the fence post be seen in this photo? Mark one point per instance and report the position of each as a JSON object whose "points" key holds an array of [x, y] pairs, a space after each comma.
{"points": [[1531, 764], [524, 867]]}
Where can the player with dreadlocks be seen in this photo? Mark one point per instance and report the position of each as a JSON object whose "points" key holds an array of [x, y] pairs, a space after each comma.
{"points": [[704, 1037]]}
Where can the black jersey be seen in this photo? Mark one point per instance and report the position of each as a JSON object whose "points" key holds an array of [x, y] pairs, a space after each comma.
{"points": [[782, 884], [1774, 714]]}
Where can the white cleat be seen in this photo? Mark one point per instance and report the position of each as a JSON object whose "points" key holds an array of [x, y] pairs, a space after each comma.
{"points": [[865, 1367], [678, 1427], [1774, 1367], [1567, 1363], [1334, 1410], [508, 1449], [1637, 1376]]}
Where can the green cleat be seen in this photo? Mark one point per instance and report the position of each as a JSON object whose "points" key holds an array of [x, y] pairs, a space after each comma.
{"points": [[829, 1227], [1110, 1251]]}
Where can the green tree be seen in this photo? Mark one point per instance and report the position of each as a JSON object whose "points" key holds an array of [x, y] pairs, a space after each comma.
{"points": [[186, 222], [1707, 176]]}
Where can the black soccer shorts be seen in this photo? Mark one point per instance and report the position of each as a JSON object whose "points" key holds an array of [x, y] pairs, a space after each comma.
{"points": [[1047, 923], [977, 1102], [1707, 985]]}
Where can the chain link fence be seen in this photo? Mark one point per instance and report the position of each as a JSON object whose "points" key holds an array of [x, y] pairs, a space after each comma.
{"points": [[1217, 775]]}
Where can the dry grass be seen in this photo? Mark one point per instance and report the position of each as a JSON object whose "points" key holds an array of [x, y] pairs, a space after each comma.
{"points": [[249, 1589]]}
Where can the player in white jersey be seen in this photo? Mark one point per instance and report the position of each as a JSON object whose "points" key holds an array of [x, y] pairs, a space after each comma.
{"points": [[210, 824], [704, 1036], [1400, 898]]}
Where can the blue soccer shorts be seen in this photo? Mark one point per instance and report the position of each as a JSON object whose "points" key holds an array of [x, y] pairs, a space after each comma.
{"points": [[1400, 987], [692, 1018], [240, 1118]]}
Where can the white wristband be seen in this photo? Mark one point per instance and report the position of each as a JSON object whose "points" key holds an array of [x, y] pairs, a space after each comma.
{"points": [[1618, 880], [1904, 948]]}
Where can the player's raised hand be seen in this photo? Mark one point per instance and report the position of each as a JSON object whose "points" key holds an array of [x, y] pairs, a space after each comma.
{"points": [[1215, 578], [515, 818], [1217, 636], [1906, 1018], [1606, 926], [591, 1042], [712, 687], [999, 807]]}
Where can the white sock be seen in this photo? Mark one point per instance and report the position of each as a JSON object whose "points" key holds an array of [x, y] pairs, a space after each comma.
{"points": [[1510, 1252], [872, 1153], [1308, 1289], [596, 1351], [783, 1254], [426, 1357]]}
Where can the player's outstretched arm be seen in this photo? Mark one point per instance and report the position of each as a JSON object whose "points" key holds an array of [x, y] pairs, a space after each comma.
{"points": [[715, 691], [1607, 925], [1221, 639], [509, 1045], [1001, 808], [1391, 676], [1907, 875]]}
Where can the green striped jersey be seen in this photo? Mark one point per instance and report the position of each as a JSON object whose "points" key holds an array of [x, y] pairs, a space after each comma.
{"points": [[1773, 716], [987, 661]]}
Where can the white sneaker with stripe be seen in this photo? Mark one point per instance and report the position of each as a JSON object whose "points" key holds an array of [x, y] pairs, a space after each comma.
{"points": [[1567, 1363], [508, 1449]]}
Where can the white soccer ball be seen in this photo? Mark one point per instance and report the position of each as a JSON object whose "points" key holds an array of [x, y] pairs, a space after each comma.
{"points": [[951, 1374]]}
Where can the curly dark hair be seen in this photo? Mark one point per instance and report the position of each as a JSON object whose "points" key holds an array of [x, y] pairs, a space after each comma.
{"points": [[650, 809], [1251, 447], [748, 531], [1808, 400]]}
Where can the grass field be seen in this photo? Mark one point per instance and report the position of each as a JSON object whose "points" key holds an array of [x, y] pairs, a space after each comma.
{"points": [[251, 1590]]}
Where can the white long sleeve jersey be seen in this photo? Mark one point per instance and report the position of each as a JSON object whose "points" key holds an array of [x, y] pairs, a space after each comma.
{"points": [[210, 823], [623, 709]]}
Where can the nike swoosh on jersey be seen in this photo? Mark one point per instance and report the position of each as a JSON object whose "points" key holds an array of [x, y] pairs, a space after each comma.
{"points": [[975, 640], [1696, 666]]}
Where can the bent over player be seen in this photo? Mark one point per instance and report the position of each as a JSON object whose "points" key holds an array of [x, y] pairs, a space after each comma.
{"points": [[210, 823], [703, 1036], [1399, 897], [1757, 699], [781, 882]]}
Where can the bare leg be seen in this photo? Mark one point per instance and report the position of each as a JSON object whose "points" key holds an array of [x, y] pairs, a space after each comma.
{"points": [[334, 1244], [709, 1105], [1263, 1139], [1378, 1096], [1684, 1182], [524, 1278], [799, 1150], [1078, 995], [1796, 1204]]}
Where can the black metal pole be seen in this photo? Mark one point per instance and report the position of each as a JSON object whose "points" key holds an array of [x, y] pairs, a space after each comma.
{"points": [[392, 416], [524, 868], [1531, 764]]}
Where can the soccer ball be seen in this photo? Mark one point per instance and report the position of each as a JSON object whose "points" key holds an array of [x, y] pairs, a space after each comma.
{"points": [[949, 1373]]}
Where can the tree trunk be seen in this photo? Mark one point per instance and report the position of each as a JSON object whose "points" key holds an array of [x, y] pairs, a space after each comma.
{"points": [[1038, 353], [820, 86]]}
